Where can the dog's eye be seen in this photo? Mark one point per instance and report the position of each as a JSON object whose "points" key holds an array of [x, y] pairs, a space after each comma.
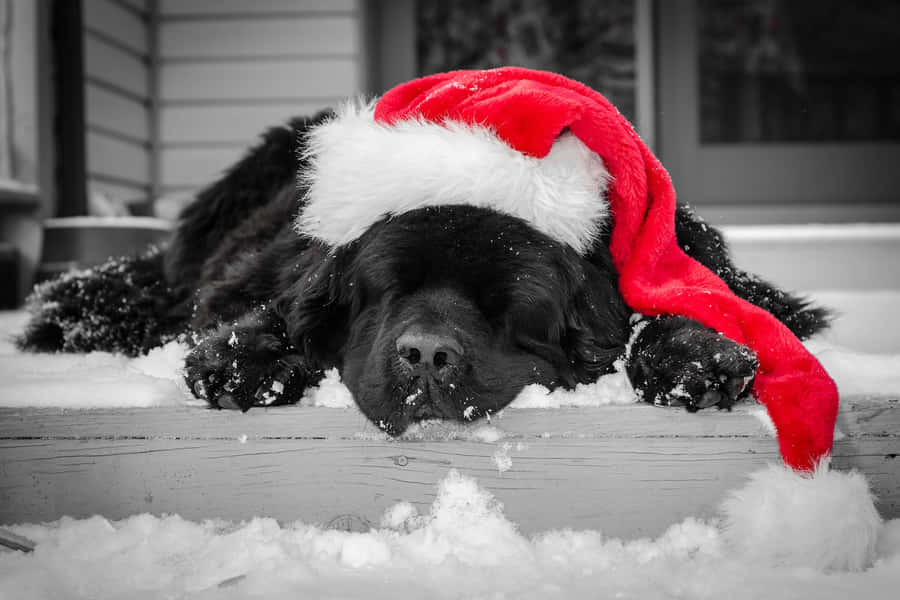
{"points": [[493, 305]]}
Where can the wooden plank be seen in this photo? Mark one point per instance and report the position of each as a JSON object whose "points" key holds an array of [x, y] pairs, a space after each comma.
{"points": [[626, 470], [293, 80], [115, 112], [196, 166], [233, 38], [112, 65], [117, 158], [582, 484], [212, 8], [240, 124], [860, 416], [615, 422], [118, 23]]}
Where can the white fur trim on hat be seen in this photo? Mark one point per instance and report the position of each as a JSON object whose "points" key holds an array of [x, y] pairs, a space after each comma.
{"points": [[361, 171], [826, 520]]}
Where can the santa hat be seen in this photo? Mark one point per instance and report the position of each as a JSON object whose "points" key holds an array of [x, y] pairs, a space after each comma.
{"points": [[557, 154]]}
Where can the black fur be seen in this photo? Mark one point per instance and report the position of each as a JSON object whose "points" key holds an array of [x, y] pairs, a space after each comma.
{"points": [[676, 361], [270, 310], [121, 306], [705, 244]]}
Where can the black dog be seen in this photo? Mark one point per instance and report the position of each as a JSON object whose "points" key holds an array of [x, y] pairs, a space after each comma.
{"points": [[436, 313]]}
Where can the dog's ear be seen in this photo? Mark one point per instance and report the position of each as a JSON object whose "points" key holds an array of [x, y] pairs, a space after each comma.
{"points": [[318, 303], [596, 322], [575, 319]]}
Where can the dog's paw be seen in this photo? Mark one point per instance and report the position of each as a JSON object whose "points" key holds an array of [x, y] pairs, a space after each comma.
{"points": [[119, 306], [236, 368], [678, 362]]}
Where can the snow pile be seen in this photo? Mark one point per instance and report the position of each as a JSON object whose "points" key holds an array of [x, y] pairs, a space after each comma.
{"points": [[330, 393], [614, 388], [864, 320], [463, 548], [95, 380], [104, 380], [858, 373]]}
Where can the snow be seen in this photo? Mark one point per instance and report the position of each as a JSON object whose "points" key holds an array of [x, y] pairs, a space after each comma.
{"points": [[861, 352], [464, 547], [608, 389], [823, 540], [330, 393], [95, 380], [866, 321], [811, 231]]}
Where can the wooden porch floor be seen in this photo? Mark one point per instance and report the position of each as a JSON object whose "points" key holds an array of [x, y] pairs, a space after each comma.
{"points": [[626, 470]]}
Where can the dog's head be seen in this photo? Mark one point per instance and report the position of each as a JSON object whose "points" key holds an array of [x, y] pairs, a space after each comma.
{"points": [[449, 312]]}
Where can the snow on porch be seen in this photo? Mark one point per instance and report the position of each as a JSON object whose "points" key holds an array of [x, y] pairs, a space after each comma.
{"points": [[621, 500], [102, 434]]}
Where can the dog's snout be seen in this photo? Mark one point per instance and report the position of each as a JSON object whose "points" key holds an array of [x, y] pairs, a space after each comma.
{"points": [[422, 349]]}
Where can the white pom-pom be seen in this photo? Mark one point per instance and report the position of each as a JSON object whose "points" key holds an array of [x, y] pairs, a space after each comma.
{"points": [[826, 520]]}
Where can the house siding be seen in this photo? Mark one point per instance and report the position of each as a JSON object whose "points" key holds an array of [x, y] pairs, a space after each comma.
{"points": [[228, 70], [117, 98]]}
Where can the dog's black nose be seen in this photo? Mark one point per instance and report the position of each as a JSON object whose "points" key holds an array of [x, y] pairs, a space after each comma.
{"points": [[420, 349]]}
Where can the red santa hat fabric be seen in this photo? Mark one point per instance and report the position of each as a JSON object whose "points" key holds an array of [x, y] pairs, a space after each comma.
{"points": [[557, 154]]}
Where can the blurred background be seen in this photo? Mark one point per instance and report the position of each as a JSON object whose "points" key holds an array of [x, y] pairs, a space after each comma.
{"points": [[764, 111]]}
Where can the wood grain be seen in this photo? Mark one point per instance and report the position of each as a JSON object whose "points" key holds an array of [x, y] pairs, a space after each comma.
{"points": [[626, 470]]}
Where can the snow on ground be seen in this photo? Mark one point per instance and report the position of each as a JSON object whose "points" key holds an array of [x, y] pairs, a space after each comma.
{"points": [[861, 352], [463, 548], [95, 380]]}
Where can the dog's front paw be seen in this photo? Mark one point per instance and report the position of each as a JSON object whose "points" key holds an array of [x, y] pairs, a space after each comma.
{"points": [[676, 361], [236, 368], [119, 306]]}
